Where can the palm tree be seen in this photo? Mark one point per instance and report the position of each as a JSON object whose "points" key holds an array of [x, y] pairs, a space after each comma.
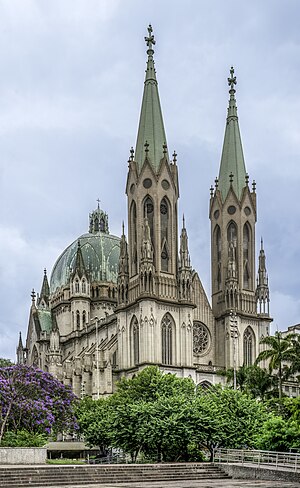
{"points": [[295, 355], [279, 350]]}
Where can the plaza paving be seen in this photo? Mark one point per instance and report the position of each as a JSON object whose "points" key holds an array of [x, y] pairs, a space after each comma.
{"points": [[195, 484]]}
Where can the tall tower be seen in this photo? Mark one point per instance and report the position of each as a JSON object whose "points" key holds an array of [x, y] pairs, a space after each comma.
{"points": [[155, 322], [233, 215]]}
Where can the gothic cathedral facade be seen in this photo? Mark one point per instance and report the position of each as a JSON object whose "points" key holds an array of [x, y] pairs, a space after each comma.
{"points": [[116, 305]]}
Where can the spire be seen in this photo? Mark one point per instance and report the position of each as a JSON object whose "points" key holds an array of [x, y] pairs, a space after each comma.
{"points": [[20, 351], [185, 270], [232, 168], [79, 263], [185, 261], [45, 290], [123, 258], [123, 274], [151, 126], [262, 289]]}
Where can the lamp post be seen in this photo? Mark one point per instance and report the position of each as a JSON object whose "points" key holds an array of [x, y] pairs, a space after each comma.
{"points": [[234, 336]]}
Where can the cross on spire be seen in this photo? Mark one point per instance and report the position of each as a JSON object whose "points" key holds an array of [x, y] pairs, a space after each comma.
{"points": [[232, 79], [150, 41], [99, 201]]}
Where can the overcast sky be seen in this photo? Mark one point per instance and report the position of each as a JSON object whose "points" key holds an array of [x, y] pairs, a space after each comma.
{"points": [[71, 82]]}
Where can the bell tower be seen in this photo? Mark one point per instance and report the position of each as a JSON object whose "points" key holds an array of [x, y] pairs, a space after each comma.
{"points": [[157, 323], [233, 215]]}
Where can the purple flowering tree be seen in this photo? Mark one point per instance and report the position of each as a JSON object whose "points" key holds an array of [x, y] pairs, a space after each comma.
{"points": [[33, 400]]}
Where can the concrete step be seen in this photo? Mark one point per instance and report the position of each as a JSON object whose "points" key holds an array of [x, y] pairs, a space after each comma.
{"points": [[14, 477]]}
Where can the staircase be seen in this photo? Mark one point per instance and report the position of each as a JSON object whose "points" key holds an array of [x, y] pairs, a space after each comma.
{"points": [[55, 475]]}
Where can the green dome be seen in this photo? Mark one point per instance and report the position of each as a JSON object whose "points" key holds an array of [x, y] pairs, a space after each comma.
{"points": [[100, 252]]}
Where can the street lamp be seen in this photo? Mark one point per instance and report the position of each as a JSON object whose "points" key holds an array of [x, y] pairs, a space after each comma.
{"points": [[234, 336]]}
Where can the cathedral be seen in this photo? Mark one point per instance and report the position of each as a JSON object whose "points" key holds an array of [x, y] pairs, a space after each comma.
{"points": [[116, 305]]}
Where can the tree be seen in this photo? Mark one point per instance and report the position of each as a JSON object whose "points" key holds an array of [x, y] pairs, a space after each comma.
{"points": [[279, 434], [5, 362], [227, 418], [295, 356], [279, 350], [35, 401]]}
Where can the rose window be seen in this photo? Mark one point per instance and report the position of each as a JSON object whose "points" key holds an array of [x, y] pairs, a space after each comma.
{"points": [[201, 338]]}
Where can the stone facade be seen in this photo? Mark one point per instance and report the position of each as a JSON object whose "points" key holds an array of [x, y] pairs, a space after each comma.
{"points": [[115, 306]]}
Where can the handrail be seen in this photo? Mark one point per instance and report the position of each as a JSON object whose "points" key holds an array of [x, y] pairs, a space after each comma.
{"points": [[273, 459]]}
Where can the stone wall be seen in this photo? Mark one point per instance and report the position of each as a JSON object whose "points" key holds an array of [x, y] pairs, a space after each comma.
{"points": [[238, 471], [23, 455]]}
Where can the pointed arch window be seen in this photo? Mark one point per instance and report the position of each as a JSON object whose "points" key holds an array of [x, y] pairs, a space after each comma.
{"points": [[84, 317], [83, 286], [76, 285], [167, 326], [248, 345], [96, 224], [149, 214], [77, 319], [135, 341], [247, 256], [232, 233], [133, 221], [102, 224], [218, 254], [164, 233]]}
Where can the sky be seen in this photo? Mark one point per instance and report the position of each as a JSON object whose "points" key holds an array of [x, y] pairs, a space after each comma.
{"points": [[71, 83]]}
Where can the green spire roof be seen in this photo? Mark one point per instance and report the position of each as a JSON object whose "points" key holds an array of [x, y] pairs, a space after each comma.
{"points": [[151, 130], [232, 168]]}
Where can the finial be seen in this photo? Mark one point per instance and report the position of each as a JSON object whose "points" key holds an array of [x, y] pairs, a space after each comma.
{"points": [[131, 153], [99, 201], [232, 79], [183, 221], [216, 183], [174, 157], [33, 295], [45, 272], [150, 41], [165, 148], [253, 185], [261, 244], [231, 177], [123, 227], [146, 145], [247, 179], [211, 191]]}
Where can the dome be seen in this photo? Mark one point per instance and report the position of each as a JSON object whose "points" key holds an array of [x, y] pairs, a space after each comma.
{"points": [[100, 252]]}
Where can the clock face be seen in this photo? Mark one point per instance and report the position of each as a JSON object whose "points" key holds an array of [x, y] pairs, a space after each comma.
{"points": [[247, 210], [231, 209], [216, 214]]}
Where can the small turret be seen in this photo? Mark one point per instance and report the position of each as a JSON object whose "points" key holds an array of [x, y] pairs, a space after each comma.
{"points": [[20, 351], [98, 221], [79, 268], [185, 270], [123, 275], [262, 289], [54, 355], [43, 298], [147, 267]]}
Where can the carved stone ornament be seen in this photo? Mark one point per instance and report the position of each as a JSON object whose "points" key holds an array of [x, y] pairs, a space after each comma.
{"points": [[201, 338]]}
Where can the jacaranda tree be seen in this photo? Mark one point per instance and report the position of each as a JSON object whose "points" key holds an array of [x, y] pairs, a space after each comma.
{"points": [[34, 401]]}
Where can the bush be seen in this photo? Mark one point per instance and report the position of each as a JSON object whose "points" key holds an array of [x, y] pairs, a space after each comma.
{"points": [[23, 438]]}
